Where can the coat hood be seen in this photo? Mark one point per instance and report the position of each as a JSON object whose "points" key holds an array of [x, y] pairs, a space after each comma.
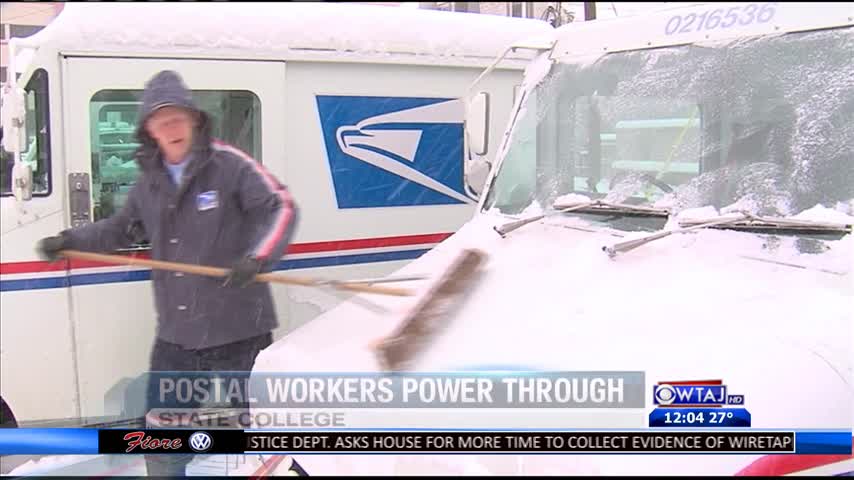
{"points": [[163, 90]]}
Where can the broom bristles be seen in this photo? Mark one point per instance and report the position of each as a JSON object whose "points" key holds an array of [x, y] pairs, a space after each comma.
{"points": [[430, 314]]}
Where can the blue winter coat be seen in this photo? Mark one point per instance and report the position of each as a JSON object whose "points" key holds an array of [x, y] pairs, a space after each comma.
{"points": [[228, 207]]}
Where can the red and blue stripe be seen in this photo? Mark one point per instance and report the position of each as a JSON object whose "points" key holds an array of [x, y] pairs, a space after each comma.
{"points": [[71, 273]]}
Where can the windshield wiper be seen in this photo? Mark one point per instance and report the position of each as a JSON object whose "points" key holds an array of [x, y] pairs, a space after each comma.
{"points": [[626, 245], [744, 221], [777, 225], [594, 207]]}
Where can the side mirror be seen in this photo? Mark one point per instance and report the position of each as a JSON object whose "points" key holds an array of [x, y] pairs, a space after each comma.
{"points": [[22, 181], [13, 116], [477, 132], [476, 173], [477, 124]]}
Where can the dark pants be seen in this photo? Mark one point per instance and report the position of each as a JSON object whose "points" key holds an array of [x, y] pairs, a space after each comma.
{"points": [[238, 356]]}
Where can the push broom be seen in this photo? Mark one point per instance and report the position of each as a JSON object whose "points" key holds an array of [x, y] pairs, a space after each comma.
{"points": [[356, 286], [416, 329]]}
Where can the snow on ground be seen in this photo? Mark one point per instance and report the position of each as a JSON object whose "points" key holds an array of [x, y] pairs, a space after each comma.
{"points": [[134, 465], [46, 464], [82, 465]]}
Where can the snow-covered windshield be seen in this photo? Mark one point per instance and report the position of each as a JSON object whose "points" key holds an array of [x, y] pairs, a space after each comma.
{"points": [[761, 124]]}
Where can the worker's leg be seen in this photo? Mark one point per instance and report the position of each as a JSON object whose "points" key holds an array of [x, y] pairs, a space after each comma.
{"points": [[166, 357], [236, 357], [240, 357]]}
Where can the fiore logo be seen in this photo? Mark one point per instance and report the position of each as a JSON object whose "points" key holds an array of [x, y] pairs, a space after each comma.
{"points": [[145, 442], [200, 441]]}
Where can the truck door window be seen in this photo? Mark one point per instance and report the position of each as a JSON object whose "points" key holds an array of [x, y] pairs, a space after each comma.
{"points": [[36, 151], [236, 118]]}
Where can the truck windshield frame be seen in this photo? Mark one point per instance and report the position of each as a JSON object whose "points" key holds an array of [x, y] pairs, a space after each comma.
{"points": [[761, 123]]}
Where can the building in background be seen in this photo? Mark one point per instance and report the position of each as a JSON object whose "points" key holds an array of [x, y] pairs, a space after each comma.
{"points": [[556, 13], [22, 19]]}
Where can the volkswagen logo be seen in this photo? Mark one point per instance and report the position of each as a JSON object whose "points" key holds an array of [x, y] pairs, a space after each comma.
{"points": [[201, 441]]}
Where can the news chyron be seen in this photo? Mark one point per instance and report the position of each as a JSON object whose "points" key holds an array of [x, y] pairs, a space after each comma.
{"points": [[494, 411]]}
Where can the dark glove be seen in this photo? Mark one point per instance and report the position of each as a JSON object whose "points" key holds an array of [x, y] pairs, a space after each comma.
{"points": [[48, 248], [243, 272]]}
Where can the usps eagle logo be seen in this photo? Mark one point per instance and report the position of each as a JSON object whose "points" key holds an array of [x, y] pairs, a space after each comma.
{"points": [[207, 200], [394, 151]]}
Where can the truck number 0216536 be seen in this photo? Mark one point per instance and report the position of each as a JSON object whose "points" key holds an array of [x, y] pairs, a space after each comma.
{"points": [[719, 18]]}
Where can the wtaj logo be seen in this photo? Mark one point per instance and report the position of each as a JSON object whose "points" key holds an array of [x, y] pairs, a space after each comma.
{"points": [[201, 441], [694, 393]]}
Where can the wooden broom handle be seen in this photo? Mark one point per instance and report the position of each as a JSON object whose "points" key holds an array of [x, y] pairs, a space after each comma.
{"points": [[222, 272]]}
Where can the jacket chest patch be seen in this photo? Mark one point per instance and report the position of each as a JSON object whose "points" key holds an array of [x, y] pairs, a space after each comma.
{"points": [[207, 200]]}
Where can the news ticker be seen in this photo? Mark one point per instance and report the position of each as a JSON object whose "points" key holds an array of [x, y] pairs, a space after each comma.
{"points": [[82, 441]]}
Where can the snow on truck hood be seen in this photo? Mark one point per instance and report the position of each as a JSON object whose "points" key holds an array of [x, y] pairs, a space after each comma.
{"points": [[708, 304], [550, 282]]}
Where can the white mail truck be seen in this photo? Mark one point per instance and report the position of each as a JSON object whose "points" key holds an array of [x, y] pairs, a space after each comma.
{"points": [[357, 109], [674, 196]]}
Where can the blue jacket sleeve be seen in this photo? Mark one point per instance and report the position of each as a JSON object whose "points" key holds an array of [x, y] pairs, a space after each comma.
{"points": [[120, 230], [273, 212]]}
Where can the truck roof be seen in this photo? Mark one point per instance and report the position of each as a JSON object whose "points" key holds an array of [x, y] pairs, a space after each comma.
{"points": [[315, 31], [695, 23]]}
